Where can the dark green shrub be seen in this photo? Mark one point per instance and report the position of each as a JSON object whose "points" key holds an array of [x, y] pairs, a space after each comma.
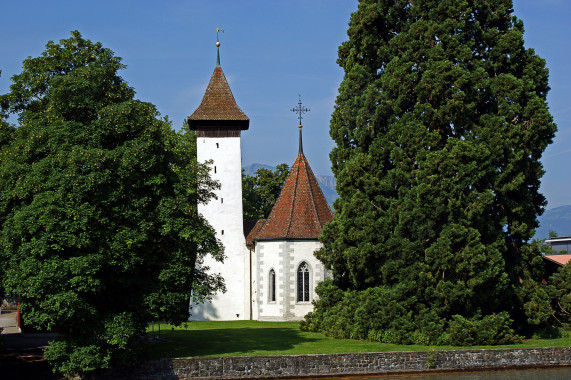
{"points": [[377, 314], [490, 330]]}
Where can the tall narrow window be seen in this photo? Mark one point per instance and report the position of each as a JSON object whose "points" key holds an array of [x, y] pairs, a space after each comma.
{"points": [[217, 146], [272, 283], [215, 169], [303, 283], [221, 200]]}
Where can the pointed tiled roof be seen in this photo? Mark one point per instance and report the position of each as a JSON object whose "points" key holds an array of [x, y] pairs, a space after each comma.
{"points": [[301, 209], [218, 105]]}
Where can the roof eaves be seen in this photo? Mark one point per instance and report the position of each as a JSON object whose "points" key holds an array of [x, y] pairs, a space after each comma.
{"points": [[558, 239], [564, 258]]}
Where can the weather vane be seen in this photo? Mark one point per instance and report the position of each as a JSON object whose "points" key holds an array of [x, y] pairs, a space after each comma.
{"points": [[218, 46], [217, 31], [300, 110]]}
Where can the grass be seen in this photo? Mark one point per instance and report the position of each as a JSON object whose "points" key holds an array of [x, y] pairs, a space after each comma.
{"points": [[242, 338]]}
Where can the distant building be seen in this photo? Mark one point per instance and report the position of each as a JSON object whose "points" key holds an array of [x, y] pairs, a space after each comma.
{"points": [[271, 274], [561, 244]]}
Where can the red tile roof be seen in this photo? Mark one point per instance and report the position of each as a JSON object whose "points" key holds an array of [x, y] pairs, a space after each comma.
{"points": [[251, 230], [218, 104], [301, 209], [559, 259]]}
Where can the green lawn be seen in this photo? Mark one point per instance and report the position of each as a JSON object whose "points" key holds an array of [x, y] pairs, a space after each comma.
{"points": [[239, 338]]}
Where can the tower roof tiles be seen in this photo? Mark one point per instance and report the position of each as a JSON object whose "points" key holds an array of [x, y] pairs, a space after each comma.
{"points": [[218, 105], [301, 209]]}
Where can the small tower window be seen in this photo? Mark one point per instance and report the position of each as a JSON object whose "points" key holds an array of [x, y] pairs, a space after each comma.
{"points": [[272, 284], [222, 232], [214, 169], [221, 200], [303, 283], [217, 146]]}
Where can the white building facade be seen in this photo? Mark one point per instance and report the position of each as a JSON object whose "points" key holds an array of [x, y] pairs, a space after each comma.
{"points": [[286, 276], [284, 244]]}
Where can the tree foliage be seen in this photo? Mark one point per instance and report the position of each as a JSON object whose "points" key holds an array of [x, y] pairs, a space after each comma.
{"points": [[261, 191], [98, 208], [439, 125], [560, 292]]}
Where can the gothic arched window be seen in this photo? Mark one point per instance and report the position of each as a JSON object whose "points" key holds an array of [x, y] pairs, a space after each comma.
{"points": [[272, 283], [303, 282]]}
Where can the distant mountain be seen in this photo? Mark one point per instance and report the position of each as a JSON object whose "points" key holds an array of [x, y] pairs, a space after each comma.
{"points": [[251, 169], [326, 182], [557, 219]]}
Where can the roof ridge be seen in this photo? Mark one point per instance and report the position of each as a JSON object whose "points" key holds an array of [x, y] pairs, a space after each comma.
{"points": [[311, 197], [292, 200]]}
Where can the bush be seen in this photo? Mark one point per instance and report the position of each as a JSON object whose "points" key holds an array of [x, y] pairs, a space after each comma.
{"points": [[383, 314], [549, 332], [489, 330], [377, 314]]}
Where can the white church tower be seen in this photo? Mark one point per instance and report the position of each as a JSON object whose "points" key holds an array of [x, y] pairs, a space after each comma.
{"points": [[218, 122]]}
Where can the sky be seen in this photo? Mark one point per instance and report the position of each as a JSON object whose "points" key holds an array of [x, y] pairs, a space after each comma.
{"points": [[271, 52]]}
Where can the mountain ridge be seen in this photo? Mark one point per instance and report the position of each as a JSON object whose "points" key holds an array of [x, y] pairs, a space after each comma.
{"points": [[556, 219]]}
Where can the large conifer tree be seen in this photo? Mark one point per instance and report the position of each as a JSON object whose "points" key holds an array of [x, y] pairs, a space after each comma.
{"points": [[439, 125]]}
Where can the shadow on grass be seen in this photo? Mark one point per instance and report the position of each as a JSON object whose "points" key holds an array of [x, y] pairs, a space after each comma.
{"points": [[225, 342]]}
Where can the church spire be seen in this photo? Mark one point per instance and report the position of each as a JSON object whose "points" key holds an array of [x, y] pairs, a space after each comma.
{"points": [[301, 210], [300, 110], [218, 109], [300, 141]]}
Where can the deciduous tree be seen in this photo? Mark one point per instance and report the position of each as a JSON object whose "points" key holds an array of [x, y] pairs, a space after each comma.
{"points": [[261, 191], [98, 208]]}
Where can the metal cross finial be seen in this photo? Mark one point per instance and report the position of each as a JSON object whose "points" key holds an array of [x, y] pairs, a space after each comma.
{"points": [[300, 110]]}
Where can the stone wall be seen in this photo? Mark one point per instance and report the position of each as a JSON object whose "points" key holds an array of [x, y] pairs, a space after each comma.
{"points": [[348, 364]]}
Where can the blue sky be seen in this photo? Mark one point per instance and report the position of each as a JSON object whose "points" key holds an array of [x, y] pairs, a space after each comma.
{"points": [[271, 52]]}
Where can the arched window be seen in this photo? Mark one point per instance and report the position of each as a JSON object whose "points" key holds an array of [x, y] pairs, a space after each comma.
{"points": [[303, 282], [272, 283]]}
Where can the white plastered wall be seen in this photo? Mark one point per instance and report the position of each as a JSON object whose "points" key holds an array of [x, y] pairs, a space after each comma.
{"points": [[225, 216], [284, 257]]}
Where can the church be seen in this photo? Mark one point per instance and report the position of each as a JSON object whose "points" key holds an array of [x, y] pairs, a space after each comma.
{"points": [[270, 271]]}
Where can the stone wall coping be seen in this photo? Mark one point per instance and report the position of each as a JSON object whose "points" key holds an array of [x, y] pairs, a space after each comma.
{"points": [[347, 364]]}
